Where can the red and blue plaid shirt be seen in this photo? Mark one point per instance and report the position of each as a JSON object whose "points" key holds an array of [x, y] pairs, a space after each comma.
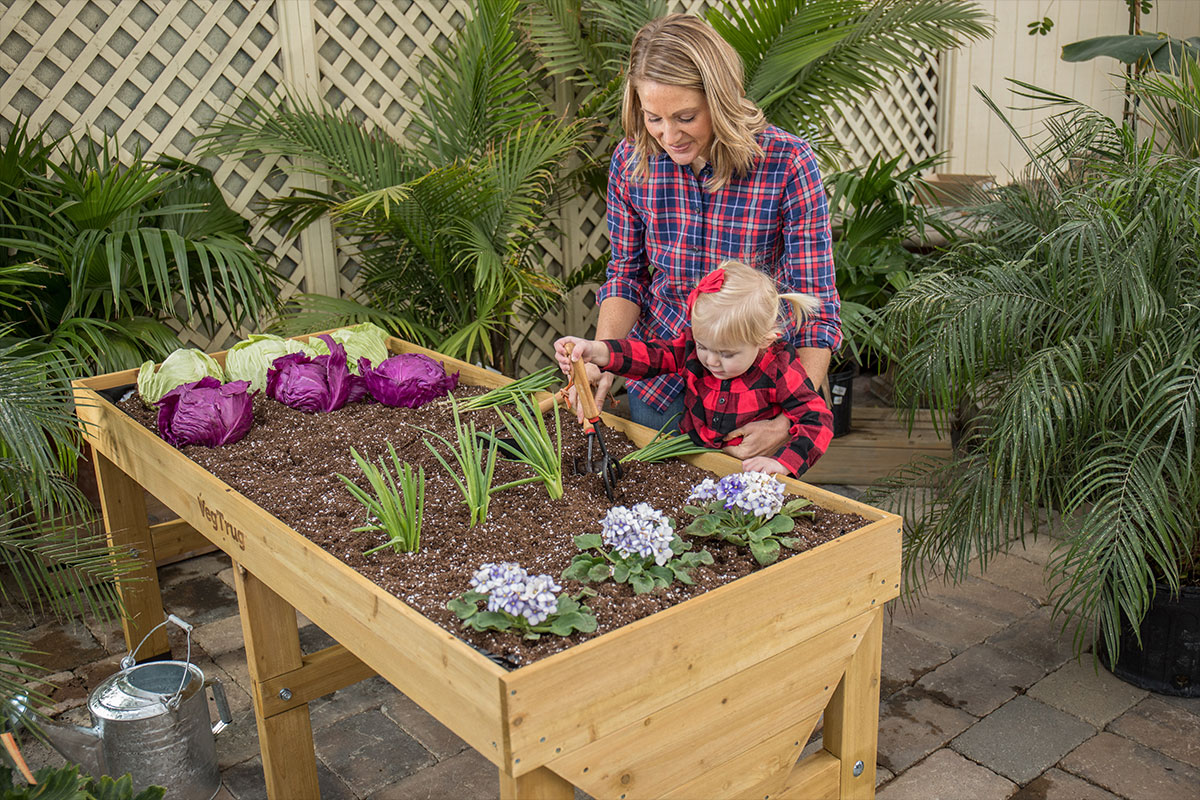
{"points": [[775, 384], [667, 232]]}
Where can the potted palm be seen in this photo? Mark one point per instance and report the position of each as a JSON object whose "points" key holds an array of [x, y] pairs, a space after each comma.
{"points": [[1069, 328]]}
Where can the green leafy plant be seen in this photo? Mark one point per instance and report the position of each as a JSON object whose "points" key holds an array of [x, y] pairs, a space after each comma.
{"points": [[398, 504], [508, 394], [637, 546], [876, 212], [476, 461], [66, 783], [532, 444], [665, 445], [1066, 336], [95, 253], [52, 561], [528, 604], [747, 509], [445, 229]]}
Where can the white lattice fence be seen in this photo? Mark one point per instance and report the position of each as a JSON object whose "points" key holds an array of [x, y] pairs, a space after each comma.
{"points": [[154, 73]]}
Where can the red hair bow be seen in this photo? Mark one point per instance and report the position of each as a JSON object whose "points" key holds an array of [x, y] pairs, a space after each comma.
{"points": [[709, 284]]}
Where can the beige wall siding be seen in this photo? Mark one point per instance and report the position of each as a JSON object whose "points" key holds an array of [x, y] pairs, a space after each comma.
{"points": [[975, 140]]}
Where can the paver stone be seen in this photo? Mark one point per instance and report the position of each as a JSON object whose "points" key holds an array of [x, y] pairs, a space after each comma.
{"points": [[1166, 728], [912, 725], [1054, 784], [1022, 739], [981, 679], [1037, 638], [946, 774], [1126, 768], [1095, 697], [906, 657]]}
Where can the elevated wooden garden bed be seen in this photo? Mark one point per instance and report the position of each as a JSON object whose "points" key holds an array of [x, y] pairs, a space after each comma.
{"points": [[668, 706]]}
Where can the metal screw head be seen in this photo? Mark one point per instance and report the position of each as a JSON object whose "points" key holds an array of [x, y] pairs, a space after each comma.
{"points": [[858, 768], [286, 694]]}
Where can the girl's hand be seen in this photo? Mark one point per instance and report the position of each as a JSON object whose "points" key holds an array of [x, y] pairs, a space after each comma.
{"points": [[764, 464]]}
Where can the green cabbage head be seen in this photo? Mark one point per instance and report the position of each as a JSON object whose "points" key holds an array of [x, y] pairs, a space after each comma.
{"points": [[249, 359], [185, 365], [365, 340]]}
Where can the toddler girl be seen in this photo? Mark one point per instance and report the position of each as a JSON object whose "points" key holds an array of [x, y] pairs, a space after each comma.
{"points": [[735, 366]]}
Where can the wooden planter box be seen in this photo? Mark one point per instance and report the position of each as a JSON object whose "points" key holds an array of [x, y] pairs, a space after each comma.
{"points": [[668, 706]]}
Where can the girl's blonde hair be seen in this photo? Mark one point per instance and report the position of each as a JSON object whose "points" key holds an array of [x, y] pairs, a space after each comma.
{"points": [[682, 50], [746, 309]]}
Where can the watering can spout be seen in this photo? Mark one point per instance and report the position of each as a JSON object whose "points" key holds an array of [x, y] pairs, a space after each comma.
{"points": [[83, 746], [79, 745]]}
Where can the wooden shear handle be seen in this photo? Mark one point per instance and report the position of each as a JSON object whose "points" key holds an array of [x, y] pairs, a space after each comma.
{"points": [[583, 389]]}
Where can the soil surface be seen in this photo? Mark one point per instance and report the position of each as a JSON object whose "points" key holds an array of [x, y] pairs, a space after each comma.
{"points": [[289, 461]]}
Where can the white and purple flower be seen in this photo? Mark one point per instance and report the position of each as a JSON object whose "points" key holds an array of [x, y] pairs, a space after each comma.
{"points": [[757, 493], [641, 530], [514, 591]]}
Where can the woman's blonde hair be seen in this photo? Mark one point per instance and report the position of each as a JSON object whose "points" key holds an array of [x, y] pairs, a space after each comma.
{"points": [[745, 311], [682, 50]]}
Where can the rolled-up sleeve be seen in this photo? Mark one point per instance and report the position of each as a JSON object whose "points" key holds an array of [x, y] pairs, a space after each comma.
{"points": [[628, 272], [808, 251]]}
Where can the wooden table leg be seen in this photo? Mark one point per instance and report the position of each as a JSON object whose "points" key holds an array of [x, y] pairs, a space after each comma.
{"points": [[851, 729], [273, 648], [541, 784], [123, 507]]}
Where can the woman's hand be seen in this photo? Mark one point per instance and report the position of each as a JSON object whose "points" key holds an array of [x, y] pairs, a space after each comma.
{"points": [[763, 438]]}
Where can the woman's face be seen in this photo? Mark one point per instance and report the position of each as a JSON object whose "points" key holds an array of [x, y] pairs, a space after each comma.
{"points": [[678, 119]]}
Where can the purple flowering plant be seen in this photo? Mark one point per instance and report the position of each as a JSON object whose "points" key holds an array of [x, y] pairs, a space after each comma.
{"points": [[515, 600], [747, 509], [637, 546]]}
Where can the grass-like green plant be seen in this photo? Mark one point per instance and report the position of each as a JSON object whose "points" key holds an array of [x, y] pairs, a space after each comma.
{"points": [[476, 460], [532, 444], [539, 381], [398, 504], [665, 445]]}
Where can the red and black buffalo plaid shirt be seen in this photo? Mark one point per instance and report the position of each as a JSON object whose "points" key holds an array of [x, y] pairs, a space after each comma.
{"points": [[775, 384], [667, 232]]}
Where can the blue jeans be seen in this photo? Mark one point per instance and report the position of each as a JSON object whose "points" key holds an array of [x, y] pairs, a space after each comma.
{"points": [[651, 417]]}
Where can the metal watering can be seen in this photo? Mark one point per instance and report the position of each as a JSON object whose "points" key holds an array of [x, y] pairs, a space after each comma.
{"points": [[151, 720]]}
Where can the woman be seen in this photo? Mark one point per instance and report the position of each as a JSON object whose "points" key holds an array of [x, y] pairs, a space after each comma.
{"points": [[700, 178]]}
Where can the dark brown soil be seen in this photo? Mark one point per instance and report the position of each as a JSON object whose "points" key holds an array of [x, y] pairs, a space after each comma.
{"points": [[288, 465]]}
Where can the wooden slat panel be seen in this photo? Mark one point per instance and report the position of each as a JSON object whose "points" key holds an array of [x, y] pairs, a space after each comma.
{"points": [[686, 647], [759, 772], [814, 778], [674, 745]]}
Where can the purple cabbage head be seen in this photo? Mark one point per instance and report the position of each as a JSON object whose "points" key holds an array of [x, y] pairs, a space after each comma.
{"points": [[314, 384], [206, 412], [409, 380]]}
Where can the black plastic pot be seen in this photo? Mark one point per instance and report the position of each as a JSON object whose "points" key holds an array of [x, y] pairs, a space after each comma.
{"points": [[841, 389], [1168, 661]]}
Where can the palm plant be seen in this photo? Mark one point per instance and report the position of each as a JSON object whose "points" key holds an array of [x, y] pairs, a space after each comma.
{"points": [[445, 230], [1070, 327], [52, 561], [803, 58], [97, 257]]}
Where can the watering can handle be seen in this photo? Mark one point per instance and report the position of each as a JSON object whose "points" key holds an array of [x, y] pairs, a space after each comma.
{"points": [[222, 705]]}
